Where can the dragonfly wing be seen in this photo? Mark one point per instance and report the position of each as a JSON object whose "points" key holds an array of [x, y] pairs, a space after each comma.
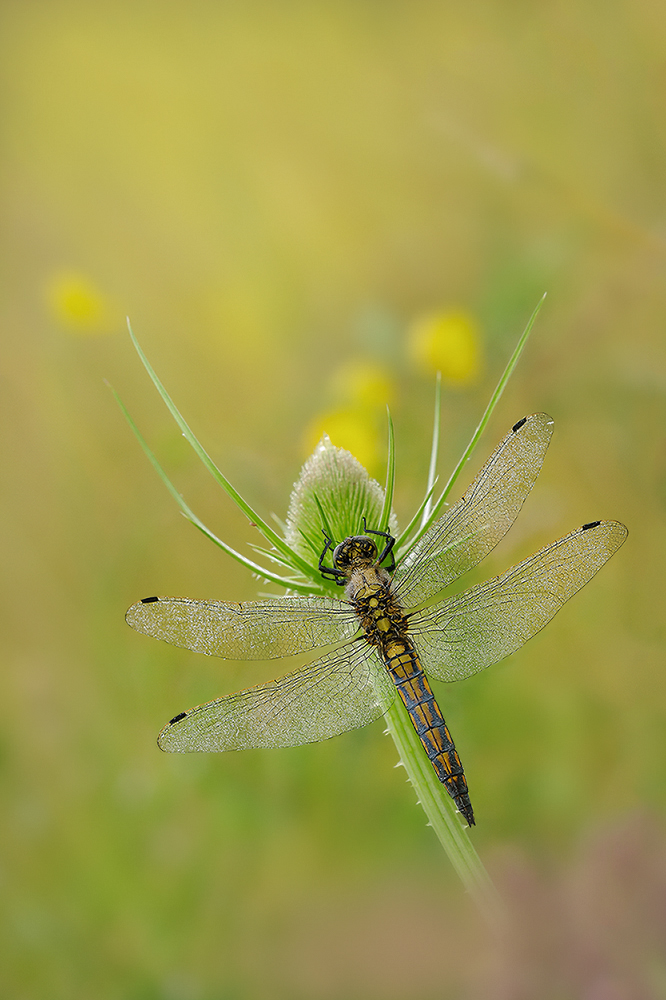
{"points": [[342, 690], [256, 630], [468, 632], [475, 524]]}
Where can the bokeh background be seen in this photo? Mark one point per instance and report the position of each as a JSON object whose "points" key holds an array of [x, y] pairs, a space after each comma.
{"points": [[299, 205]]}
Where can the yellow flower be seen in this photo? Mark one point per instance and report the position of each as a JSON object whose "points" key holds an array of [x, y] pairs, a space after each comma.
{"points": [[447, 342], [358, 423], [353, 429], [76, 304], [363, 384]]}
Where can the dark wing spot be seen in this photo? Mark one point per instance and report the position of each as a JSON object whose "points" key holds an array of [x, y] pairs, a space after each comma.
{"points": [[592, 524], [177, 718], [149, 600], [516, 427]]}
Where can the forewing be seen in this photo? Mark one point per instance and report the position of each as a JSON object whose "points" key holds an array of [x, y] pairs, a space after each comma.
{"points": [[256, 630], [475, 524], [468, 632], [342, 690]]}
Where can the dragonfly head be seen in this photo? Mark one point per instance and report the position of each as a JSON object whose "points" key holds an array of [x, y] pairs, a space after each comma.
{"points": [[356, 551]]}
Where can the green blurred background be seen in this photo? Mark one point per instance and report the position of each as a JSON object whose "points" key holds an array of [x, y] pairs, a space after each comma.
{"points": [[276, 194]]}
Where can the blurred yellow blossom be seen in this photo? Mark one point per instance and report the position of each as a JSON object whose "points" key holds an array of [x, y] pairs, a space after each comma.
{"points": [[448, 342], [354, 429], [76, 304], [363, 384], [357, 423]]}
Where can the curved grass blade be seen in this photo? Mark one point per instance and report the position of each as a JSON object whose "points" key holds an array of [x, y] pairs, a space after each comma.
{"points": [[414, 521], [265, 574], [434, 450], [494, 400], [390, 477], [269, 534], [324, 520]]}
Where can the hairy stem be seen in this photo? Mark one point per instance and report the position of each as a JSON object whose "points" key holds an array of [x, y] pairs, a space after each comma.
{"points": [[443, 816]]}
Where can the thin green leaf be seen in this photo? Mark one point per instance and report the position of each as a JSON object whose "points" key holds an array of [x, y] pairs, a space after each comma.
{"points": [[270, 554], [266, 574], [415, 519], [280, 523], [494, 399], [385, 515], [265, 529], [281, 561], [309, 543], [434, 450], [324, 520]]}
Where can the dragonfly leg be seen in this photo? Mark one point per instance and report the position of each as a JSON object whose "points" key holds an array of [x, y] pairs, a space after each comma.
{"points": [[388, 548], [330, 572]]}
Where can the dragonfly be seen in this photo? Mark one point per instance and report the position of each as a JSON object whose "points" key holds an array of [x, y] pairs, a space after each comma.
{"points": [[393, 630]]}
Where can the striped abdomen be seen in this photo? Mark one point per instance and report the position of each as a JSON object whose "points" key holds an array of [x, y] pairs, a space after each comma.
{"points": [[402, 662]]}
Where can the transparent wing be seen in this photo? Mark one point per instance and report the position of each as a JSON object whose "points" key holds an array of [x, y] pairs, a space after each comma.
{"points": [[257, 630], [475, 524], [468, 632], [340, 691]]}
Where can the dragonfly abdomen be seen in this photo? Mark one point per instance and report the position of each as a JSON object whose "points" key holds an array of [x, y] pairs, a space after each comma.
{"points": [[402, 663]]}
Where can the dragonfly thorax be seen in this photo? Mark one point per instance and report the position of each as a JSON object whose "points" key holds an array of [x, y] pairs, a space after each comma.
{"points": [[379, 612]]}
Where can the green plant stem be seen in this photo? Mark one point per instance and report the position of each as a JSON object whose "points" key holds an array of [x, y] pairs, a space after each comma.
{"points": [[443, 816]]}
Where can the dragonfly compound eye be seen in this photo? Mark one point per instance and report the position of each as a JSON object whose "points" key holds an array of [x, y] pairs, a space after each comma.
{"points": [[355, 551], [366, 548], [341, 555]]}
